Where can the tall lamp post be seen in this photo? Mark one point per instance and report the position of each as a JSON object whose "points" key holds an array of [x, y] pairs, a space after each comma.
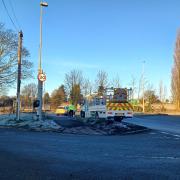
{"points": [[143, 86], [40, 83]]}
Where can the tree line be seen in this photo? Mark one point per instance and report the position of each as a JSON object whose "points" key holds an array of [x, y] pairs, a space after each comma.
{"points": [[74, 89], [75, 85], [175, 79]]}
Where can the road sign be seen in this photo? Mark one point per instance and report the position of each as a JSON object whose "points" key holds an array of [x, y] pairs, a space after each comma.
{"points": [[42, 77]]}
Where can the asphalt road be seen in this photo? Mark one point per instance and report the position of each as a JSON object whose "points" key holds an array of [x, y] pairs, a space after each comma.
{"points": [[165, 123], [37, 155], [65, 121]]}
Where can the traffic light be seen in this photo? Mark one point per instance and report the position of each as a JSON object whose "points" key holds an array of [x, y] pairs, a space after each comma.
{"points": [[36, 103]]}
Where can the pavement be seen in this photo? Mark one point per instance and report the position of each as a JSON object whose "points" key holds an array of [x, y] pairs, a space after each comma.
{"points": [[48, 155], [164, 123]]}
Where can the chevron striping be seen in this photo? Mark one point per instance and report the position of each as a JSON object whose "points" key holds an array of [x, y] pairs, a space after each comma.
{"points": [[119, 106]]}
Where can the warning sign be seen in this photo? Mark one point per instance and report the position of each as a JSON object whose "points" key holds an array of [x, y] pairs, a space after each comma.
{"points": [[42, 77]]}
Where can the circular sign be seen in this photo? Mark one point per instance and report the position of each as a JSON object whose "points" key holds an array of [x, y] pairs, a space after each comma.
{"points": [[42, 77]]}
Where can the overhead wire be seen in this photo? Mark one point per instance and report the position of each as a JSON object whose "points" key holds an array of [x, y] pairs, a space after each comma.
{"points": [[9, 16], [14, 14]]}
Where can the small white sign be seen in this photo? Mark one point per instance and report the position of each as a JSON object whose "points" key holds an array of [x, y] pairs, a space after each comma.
{"points": [[42, 77]]}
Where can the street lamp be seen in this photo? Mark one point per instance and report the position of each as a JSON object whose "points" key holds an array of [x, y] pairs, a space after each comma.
{"points": [[143, 86], [40, 83]]}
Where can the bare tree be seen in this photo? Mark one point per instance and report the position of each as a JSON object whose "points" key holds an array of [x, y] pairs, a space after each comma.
{"points": [[3, 90], [73, 84], [165, 94], [46, 98], [28, 94], [8, 58], [175, 78], [101, 81], [139, 87], [30, 90], [150, 97], [162, 92], [143, 84], [116, 82], [133, 86], [87, 87]]}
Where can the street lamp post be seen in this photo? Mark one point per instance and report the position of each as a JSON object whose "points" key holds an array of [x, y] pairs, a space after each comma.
{"points": [[143, 86], [40, 83]]}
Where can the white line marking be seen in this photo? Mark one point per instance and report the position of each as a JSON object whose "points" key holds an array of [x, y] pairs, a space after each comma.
{"points": [[154, 157], [175, 135]]}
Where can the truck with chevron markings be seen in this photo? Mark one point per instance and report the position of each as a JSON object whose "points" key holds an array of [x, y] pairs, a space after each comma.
{"points": [[113, 104]]}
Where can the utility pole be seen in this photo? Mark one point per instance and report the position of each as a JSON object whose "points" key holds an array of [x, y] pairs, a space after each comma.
{"points": [[19, 76]]}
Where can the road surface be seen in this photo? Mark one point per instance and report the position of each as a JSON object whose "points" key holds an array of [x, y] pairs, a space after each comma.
{"points": [[164, 123], [65, 121], [45, 155]]}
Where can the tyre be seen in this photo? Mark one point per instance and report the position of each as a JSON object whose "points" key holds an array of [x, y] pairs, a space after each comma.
{"points": [[96, 115], [118, 118], [82, 114]]}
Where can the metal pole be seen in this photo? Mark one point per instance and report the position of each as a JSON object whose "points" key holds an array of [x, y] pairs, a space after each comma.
{"points": [[39, 111], [143, 86], [19, 76], [43, 97], [40, 83], [40, 44]]}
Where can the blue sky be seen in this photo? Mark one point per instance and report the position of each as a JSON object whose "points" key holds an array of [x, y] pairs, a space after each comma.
{"points": [[91, 35]]}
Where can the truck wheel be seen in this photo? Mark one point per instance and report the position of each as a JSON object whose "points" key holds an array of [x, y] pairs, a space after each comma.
{"points": [[96, 115], [118, 118], [82, 114], [109, 121]]}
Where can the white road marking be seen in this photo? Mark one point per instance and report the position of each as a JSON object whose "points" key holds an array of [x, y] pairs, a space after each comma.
{"points": [[153, 157], [171, 134]]}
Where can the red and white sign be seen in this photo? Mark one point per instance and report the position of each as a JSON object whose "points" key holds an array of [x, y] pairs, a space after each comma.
{"points": [[42, 77]]}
